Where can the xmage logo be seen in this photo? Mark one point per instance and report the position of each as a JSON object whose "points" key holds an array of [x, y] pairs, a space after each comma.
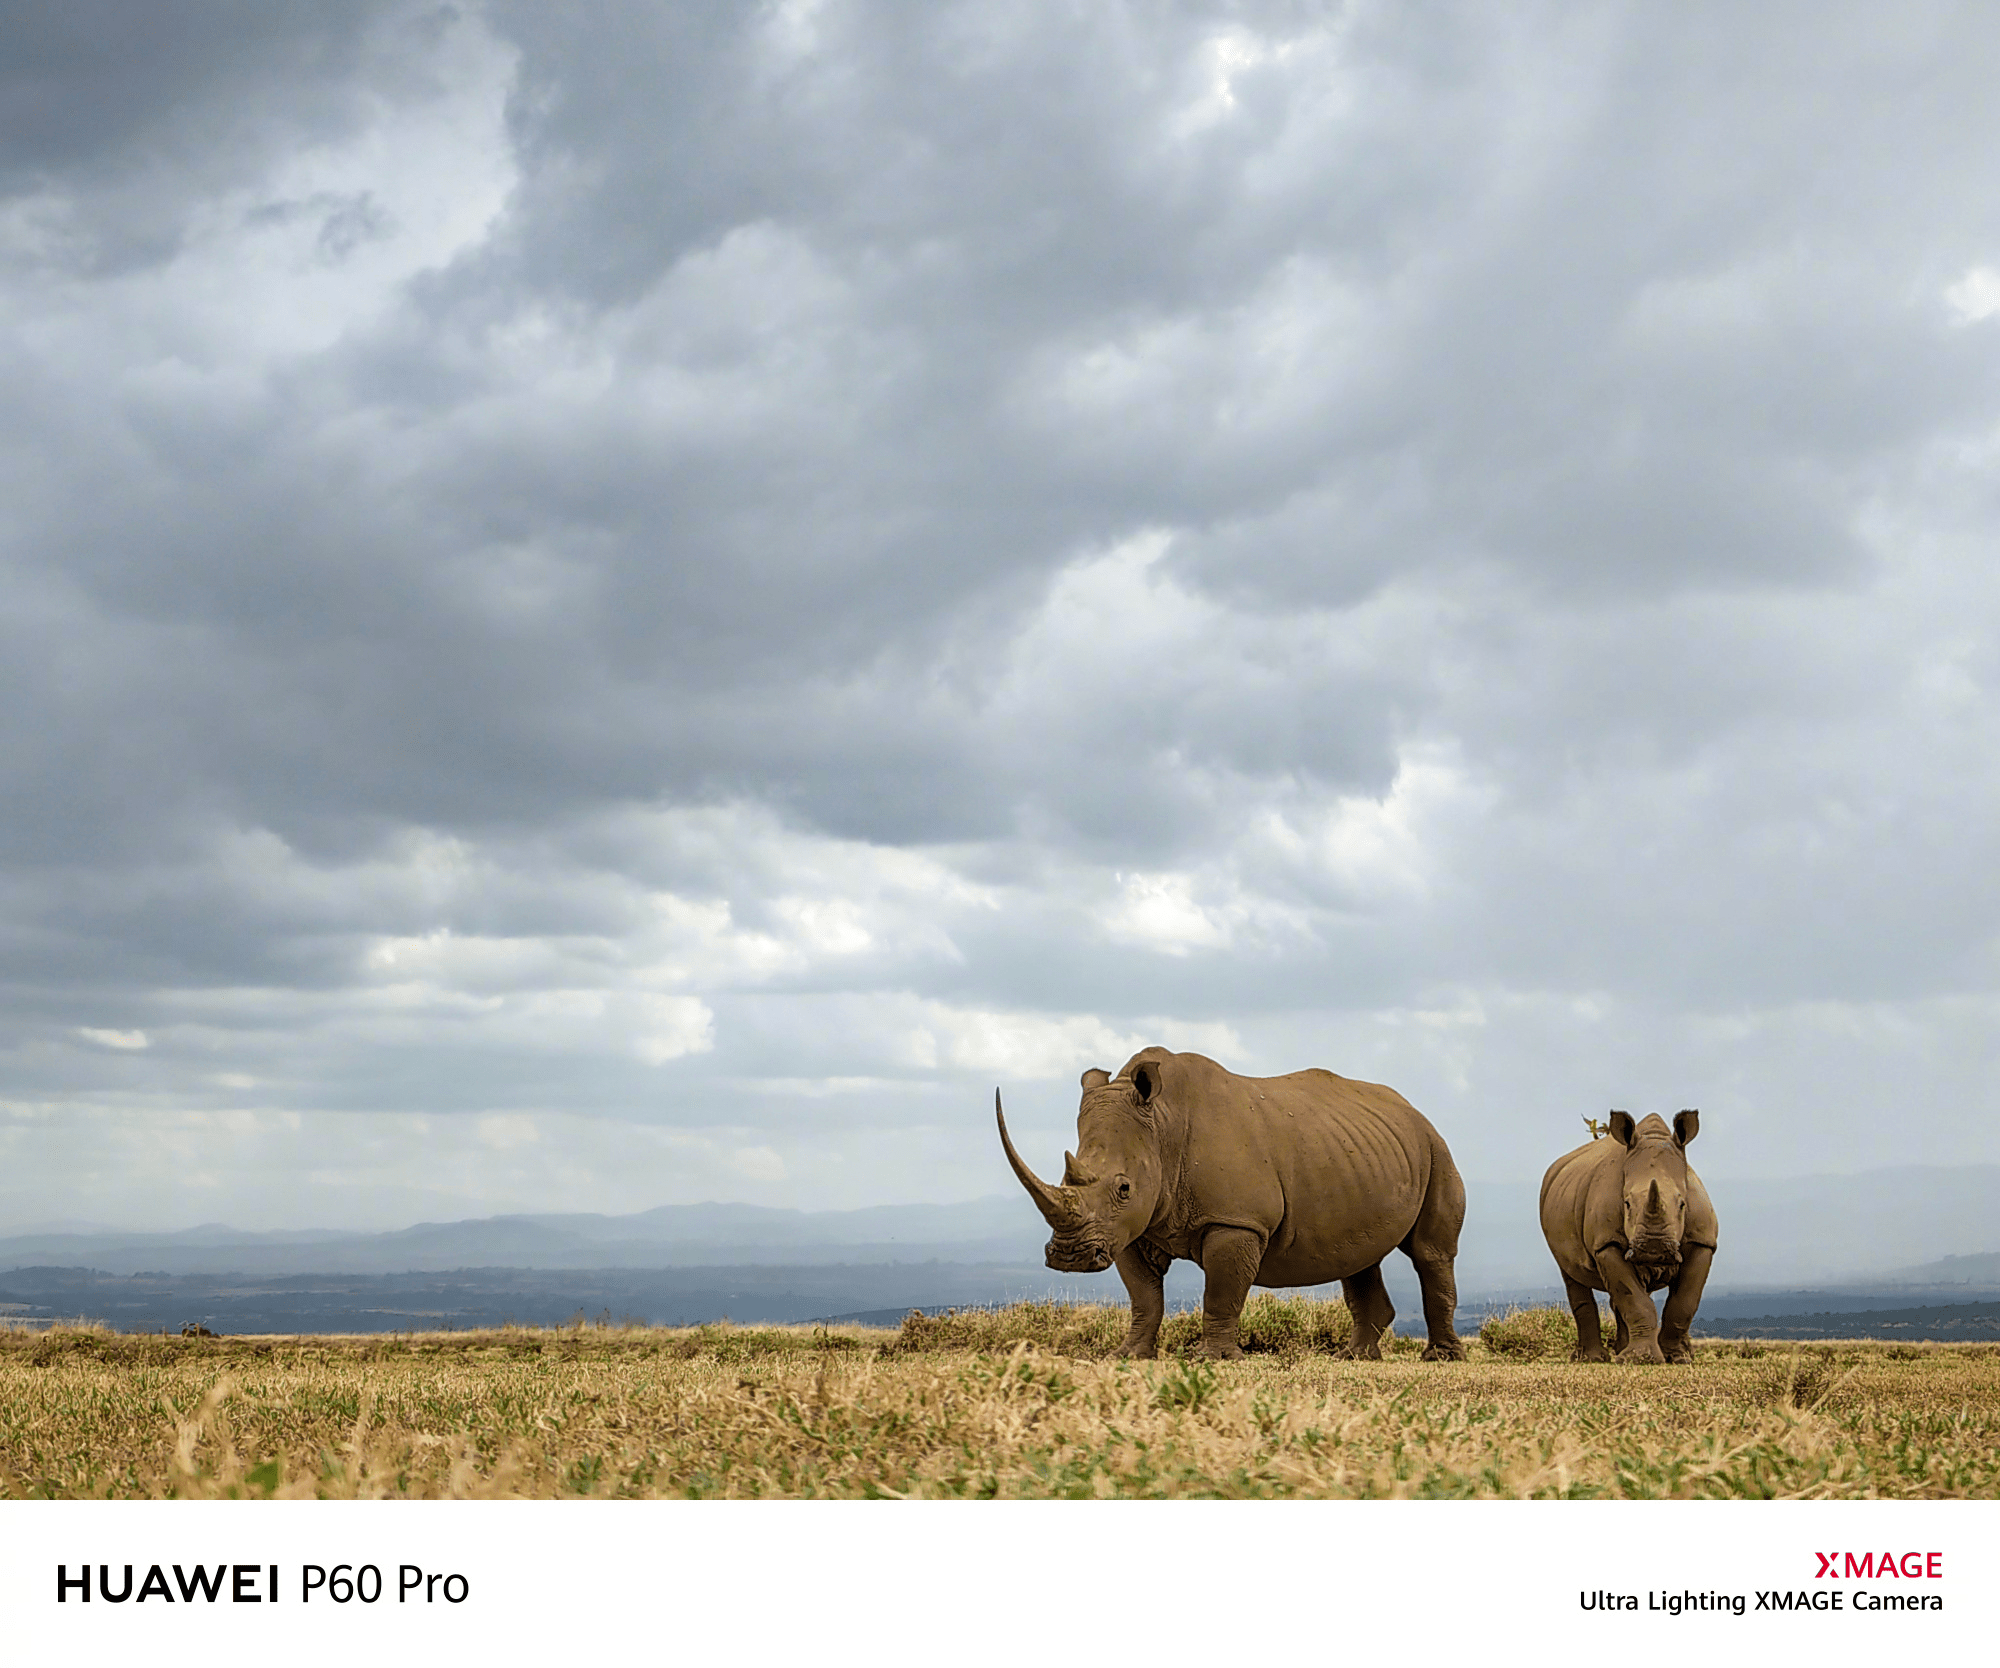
{"points": [[1880, 1566]]}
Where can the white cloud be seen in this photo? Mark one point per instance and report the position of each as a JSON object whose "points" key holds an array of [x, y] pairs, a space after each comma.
{"points": [[1974, 296], [1026, 1045], [1224, 57], [674, 1026], [114, 1039], [759, 1164], [505, 1131], [1159, 912]]}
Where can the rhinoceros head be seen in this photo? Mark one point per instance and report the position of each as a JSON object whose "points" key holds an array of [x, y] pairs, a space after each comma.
{"points": [[1111, 1183], [1655, 1187]]}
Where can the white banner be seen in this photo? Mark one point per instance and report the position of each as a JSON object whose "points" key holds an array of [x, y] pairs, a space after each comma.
{"points": [[994, 1583]]}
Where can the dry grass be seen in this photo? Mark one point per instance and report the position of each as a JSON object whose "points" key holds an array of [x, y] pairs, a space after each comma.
{"points": [[1020, 1403]]}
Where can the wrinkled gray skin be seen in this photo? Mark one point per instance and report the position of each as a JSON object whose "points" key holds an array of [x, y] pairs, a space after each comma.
{"points": [[1266, 1181], [1627, 1216]]}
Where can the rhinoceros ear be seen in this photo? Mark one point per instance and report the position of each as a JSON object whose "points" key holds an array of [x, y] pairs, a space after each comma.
{"points": [[1096, 1078], [1146, 1079], [1622, 1127], [1686, 1125]]}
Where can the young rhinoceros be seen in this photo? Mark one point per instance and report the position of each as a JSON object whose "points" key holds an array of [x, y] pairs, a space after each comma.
{"points": [[1267, 1181], [1629, 1216]]}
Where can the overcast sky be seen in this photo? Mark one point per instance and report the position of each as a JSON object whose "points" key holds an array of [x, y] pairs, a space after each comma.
{"points": [[607, 606]]}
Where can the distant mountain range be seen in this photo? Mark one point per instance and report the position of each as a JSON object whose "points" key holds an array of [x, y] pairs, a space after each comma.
{"points": [[1980, 1271], [1845, 1243], [996, 1229]]}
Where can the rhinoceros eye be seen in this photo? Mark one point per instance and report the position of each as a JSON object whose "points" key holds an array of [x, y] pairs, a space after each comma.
{"points": [[1124, 1191]]}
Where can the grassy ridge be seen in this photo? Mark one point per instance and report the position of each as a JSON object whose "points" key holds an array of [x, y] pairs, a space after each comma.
{"points": [[1015, 1403]]}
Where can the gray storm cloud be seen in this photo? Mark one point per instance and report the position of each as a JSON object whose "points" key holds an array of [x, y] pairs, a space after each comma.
{"points": [[631, 606]]}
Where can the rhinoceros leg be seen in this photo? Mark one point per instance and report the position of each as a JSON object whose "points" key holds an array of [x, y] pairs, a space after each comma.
{"points": [[1432, 1247], [1638, 1321], [1589, 1335], [1683, 1298], [1440, 1289], [1229, 1262], [1368, 1302], [1146, 1287]]}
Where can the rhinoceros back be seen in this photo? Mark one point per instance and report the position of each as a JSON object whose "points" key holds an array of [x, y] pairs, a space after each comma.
{"points": [[1565, 1205], [1334, 1171]]}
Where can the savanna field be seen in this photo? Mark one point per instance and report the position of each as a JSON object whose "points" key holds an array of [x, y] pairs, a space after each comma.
{"points": [[1022, 1403]]}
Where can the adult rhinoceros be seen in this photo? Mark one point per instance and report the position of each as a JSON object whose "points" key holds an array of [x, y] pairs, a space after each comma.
{"points": [[1629, 1216], [1266, 1181]]}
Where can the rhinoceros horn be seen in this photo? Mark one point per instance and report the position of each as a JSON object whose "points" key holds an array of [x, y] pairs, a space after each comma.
{"points": [[1056, 1204]]}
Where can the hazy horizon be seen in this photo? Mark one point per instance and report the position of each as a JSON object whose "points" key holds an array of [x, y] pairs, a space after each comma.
{"points": [[1795, 1233], [13, 1228]]}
